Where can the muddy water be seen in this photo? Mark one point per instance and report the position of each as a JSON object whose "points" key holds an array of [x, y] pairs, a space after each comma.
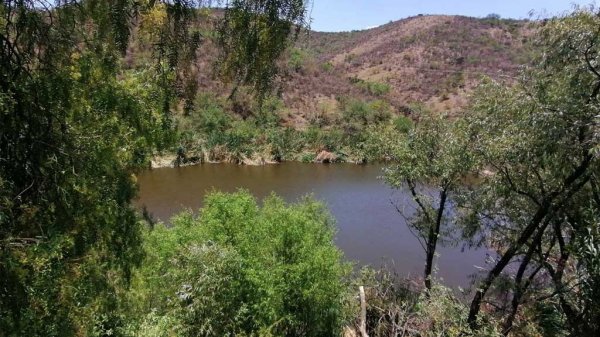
{"points": [[370, 230]]}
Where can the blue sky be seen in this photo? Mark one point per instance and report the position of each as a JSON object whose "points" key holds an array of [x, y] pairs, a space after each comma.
{"points": [[343, 15]]}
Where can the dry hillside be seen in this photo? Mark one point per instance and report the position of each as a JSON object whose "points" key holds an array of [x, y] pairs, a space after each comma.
{"points": [[436, 60]]}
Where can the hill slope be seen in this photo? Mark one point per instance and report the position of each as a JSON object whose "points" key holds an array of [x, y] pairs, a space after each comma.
{"points": [[436, 60]]}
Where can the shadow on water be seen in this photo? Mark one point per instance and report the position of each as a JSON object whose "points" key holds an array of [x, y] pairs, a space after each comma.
{"points": [[370, 230]]}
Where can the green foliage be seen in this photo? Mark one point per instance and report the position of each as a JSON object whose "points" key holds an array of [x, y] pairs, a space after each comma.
{"points": [[403, 124], [244, 269], [252, 28], [75, 126], [328, 67], [537, 140], [297, 59], [430, 164], [373, 88], [357, 115]]}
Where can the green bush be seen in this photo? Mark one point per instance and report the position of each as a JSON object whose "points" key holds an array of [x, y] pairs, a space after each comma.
{"points": [[403, 124], [316, 138], [328, 67], [243, 269], [373, 88], [297, 59], [240, 137], [366, 113]]}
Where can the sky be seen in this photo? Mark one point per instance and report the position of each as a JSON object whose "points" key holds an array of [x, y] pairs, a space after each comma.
{"points": [[345, 15]]}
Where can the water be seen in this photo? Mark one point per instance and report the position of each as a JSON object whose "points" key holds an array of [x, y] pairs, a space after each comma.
{"points": [[370, 230]]}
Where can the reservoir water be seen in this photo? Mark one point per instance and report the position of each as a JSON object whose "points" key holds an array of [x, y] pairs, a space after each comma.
{"points": [[370, 229]]}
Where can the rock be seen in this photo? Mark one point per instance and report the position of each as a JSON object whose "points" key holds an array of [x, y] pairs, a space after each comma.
{"points": [[326, 157]]}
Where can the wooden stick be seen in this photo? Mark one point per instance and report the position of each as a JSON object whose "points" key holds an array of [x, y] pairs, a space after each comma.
{"points": [[363, 312]]}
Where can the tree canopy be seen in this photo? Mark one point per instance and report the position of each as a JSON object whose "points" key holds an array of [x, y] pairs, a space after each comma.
{"points": [[75, 124]]}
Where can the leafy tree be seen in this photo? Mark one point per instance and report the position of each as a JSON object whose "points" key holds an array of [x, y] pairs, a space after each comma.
{"points": [[249, 58], [244, 269], [74, 126], [430, 164], [539, 202]]}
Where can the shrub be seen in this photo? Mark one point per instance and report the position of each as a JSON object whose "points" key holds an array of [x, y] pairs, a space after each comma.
{"points": [[297, 59], [395, 307], [373, 88], [243, 269], [403, 124], [239, 138], [366, 113], [328, 67]]}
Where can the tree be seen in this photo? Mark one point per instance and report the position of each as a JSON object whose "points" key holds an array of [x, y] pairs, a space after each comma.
{"points": [[430, 165], [537, 138], [74, 126]]}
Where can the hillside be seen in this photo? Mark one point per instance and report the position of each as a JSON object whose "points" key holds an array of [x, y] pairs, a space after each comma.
{"points": [[430, 59], [436, 60], [334, 88]]}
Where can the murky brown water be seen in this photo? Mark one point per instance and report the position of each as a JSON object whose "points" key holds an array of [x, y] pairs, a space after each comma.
{"points": [[370, 231]]}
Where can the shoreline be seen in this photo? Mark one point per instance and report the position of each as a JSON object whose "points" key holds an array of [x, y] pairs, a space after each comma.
{"points": [[171, 160]]}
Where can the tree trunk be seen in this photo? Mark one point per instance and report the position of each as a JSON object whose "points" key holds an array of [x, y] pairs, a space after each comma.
{"points": [[434, 232], [520, 288]]}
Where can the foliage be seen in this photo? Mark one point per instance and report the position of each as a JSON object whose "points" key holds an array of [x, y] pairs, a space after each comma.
{"points": [[396, 308], [244, 269], [537, 138], [357, 115], [75, 125], [297, 59], [430, 164], [71, 135], [249, 58], [373, 88]]}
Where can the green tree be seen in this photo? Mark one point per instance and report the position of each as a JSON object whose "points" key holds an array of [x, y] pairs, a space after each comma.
{"points": [[539, 202], [244, 269], [430, 164], [74, 126]]}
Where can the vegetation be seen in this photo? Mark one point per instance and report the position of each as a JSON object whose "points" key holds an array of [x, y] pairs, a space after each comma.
{"points": [[79, 117], [538, 139], [212, 133], [536, 202], [244, 269], [430, 162], [373, 88], [75, 125]]}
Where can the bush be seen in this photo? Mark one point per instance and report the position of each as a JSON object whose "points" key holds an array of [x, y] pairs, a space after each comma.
{"points": [[403, 124], [395, 307], [297, 59], [373, 88], [243, 269], [366, 113], [239, 139]]}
